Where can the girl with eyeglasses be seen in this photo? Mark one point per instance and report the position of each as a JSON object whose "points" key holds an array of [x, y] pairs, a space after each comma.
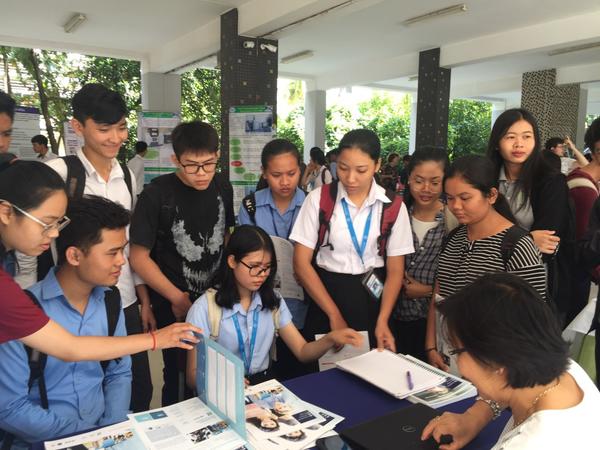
{"points": [[32, 213], [252, 312]]}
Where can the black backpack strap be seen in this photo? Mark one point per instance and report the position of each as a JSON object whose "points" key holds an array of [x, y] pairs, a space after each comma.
{"points": [[112, 302], [509, 242], [75, 176], [37, 363], [127, 178], [249, 204]]}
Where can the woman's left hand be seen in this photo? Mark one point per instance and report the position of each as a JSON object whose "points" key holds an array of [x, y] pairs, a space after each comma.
{"points": [[345, 336], [385, 338]]}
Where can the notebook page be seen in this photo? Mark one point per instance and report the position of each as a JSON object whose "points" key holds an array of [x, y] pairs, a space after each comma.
{"points": [[387, 371]]}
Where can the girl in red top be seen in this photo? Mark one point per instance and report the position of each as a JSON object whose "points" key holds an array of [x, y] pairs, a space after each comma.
{"points": [[32, 212]]}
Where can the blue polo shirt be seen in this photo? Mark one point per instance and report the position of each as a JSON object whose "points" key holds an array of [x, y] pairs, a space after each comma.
{"points": [[268, 216], [80, 394], [228, 338]]}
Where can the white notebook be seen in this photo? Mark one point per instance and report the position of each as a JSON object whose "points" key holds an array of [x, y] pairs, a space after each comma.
{"points": [[388, 371]]}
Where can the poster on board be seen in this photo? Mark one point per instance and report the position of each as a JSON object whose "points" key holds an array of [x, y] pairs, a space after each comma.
{"points": [[250, 128], [155, 129], [25, 126], [73, 142]]}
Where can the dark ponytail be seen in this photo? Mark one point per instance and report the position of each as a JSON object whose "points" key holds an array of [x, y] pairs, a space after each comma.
{"points": [[480, 173]]}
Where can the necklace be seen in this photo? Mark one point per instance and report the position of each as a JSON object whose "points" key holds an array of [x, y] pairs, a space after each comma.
{"points": [[535, 401]]}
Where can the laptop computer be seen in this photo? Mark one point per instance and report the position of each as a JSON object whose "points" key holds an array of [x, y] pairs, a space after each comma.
{"points": [[400, 430]]}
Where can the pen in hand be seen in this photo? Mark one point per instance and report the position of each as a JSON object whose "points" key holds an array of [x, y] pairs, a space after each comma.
{"points": [[409, 381]]}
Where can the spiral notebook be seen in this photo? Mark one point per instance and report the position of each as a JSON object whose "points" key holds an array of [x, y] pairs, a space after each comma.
{"points": [[388, 371]]}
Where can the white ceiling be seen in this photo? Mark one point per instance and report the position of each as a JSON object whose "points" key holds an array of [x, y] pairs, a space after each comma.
{"points": [[361, 42]]}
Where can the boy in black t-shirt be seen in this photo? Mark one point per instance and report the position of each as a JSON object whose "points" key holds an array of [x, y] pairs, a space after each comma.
{"points": [[178, 231]]}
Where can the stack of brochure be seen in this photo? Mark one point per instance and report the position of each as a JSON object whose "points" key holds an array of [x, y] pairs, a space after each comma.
{"points": [[277, 419], [452, 389]]}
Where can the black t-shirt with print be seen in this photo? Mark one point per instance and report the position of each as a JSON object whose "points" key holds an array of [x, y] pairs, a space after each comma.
{"points": [[184, 229]]}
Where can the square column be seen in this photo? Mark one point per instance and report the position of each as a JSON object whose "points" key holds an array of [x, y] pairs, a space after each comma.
{"points": [[315, 105]]}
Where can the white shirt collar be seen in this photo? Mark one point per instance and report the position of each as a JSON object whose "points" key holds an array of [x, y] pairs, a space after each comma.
{"points": [[375, 193], [115, 170]]}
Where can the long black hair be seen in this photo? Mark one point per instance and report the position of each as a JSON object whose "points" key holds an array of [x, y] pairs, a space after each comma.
{"points": [[26, 184], [480, 173], [420, 156], [535, 167], [246, 239]]}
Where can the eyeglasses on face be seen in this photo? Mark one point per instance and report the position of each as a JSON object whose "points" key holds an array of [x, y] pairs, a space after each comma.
{"points": [[193, 169], [58, 225], [456, 351], [257, 271]]}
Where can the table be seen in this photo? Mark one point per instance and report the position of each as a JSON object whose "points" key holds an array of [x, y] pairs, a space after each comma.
{"points": [[359, 401]]}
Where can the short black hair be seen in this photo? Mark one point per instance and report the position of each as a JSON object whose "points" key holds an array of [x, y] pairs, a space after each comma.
{"points": [[366, 140], [592, 134], [501, 321], [553, 142], [95, 101], [196, 137], [278, 147], [40, 139], [7, 105], [246, 239], [89, 216], [141, 147], [406, 158], [392, 156]]}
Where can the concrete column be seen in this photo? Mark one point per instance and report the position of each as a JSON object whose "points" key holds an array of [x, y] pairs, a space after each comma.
{"points": [[434, 100], [412, 136], [161, 92], [497, 109], [556, 108], [315, 105]]}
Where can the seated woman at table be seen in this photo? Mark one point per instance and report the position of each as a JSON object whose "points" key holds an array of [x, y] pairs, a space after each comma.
{"points": [[508, 344], [246, 313]]}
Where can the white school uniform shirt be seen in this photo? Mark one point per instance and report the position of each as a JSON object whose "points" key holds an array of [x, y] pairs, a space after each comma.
{"points": [[49, 156], [344, 258], [115, 189]]}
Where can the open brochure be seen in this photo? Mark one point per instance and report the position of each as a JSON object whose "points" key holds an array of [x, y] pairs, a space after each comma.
{"points": [[395, 374], [451, 389], [116, 437], [278, 419]]}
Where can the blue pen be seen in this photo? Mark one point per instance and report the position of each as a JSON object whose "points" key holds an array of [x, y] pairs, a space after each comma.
{"points": [[409, 380]]}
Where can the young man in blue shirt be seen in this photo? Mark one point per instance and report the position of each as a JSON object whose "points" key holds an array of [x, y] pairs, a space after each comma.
{"points": [[81, 395]]}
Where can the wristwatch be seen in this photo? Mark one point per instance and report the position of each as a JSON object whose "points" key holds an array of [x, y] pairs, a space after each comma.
{"points": [[494, 406]]}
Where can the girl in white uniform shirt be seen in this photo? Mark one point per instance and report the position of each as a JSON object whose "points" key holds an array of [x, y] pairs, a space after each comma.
{"points": [[335, 281]]}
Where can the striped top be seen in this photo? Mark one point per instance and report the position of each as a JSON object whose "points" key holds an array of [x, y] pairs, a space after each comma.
{"points": [[463, 261]]}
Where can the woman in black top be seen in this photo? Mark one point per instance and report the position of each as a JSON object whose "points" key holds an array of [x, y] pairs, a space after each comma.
{"points": [[538, 197]]}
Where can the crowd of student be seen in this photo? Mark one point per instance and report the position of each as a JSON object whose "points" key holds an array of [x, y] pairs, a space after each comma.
{"points": [[412, 270]]}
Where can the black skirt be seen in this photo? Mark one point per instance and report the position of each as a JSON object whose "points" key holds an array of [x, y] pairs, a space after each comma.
{"points": [[358, 308]]}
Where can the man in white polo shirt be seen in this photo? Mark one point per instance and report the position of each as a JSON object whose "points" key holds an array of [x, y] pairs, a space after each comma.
{"points": [[99, 116]]}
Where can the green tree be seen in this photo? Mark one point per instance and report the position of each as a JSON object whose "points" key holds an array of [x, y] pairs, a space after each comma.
{"points": [[291, 128], [201, 97], [388, 118], [338, 121], [469, 124]]}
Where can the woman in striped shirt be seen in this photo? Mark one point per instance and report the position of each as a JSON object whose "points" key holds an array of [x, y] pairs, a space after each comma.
{"points": [[487, 241]]}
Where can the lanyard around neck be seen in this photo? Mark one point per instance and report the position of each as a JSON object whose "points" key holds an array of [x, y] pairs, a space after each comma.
{"points": [[359, 249], [241, 345]]}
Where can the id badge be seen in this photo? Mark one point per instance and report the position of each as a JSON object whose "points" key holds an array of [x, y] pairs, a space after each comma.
{"points": [[373, 284]]}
